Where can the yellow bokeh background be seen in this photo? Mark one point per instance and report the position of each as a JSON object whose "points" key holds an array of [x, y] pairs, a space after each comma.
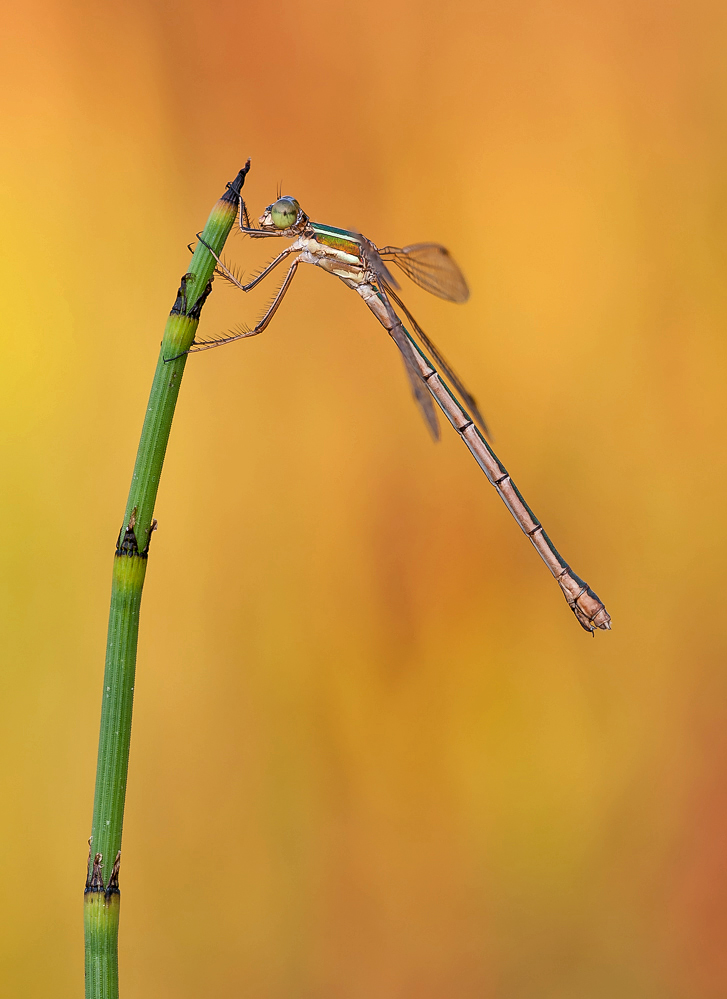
{"points": [[373, 754]]}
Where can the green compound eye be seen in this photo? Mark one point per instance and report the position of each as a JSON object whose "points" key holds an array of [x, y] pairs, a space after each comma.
{"points": [[284, 213]]}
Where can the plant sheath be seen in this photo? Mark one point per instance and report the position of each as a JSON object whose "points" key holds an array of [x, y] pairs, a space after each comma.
{"points": [[101, 896]]}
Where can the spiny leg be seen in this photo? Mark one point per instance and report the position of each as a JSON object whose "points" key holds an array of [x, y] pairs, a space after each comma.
{"points": [[247, 229], [225, 272], [264, 322], [242, 214]]}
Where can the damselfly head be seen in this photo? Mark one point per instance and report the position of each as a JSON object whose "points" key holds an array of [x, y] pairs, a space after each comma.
{"points": [[285, 213]]}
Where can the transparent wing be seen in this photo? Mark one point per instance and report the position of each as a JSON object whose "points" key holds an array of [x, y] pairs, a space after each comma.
{"points": [[419, 388], [446, 369], [374, 261], [431, 267]]}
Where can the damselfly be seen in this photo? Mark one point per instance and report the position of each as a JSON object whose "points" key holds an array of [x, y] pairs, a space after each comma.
{"points": [[363, 266]]}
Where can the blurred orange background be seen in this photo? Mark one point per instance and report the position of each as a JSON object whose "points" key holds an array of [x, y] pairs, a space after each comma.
{"points": [[373, 753]]}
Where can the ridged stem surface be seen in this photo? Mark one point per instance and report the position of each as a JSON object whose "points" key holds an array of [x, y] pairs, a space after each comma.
{"points": [[101, 897]]}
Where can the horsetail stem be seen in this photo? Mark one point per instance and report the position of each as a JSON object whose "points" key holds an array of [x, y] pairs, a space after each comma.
{"points": [[101, 896]]}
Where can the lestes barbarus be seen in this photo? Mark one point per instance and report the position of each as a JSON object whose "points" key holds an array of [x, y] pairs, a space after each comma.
{"points": [[362, 266]]}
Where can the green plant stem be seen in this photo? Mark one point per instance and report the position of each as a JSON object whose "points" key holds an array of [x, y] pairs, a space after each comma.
{"points": [[101, 897]]}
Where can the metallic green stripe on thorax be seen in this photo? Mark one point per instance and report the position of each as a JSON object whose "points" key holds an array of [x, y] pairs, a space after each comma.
{"points": [[337, 239]]}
